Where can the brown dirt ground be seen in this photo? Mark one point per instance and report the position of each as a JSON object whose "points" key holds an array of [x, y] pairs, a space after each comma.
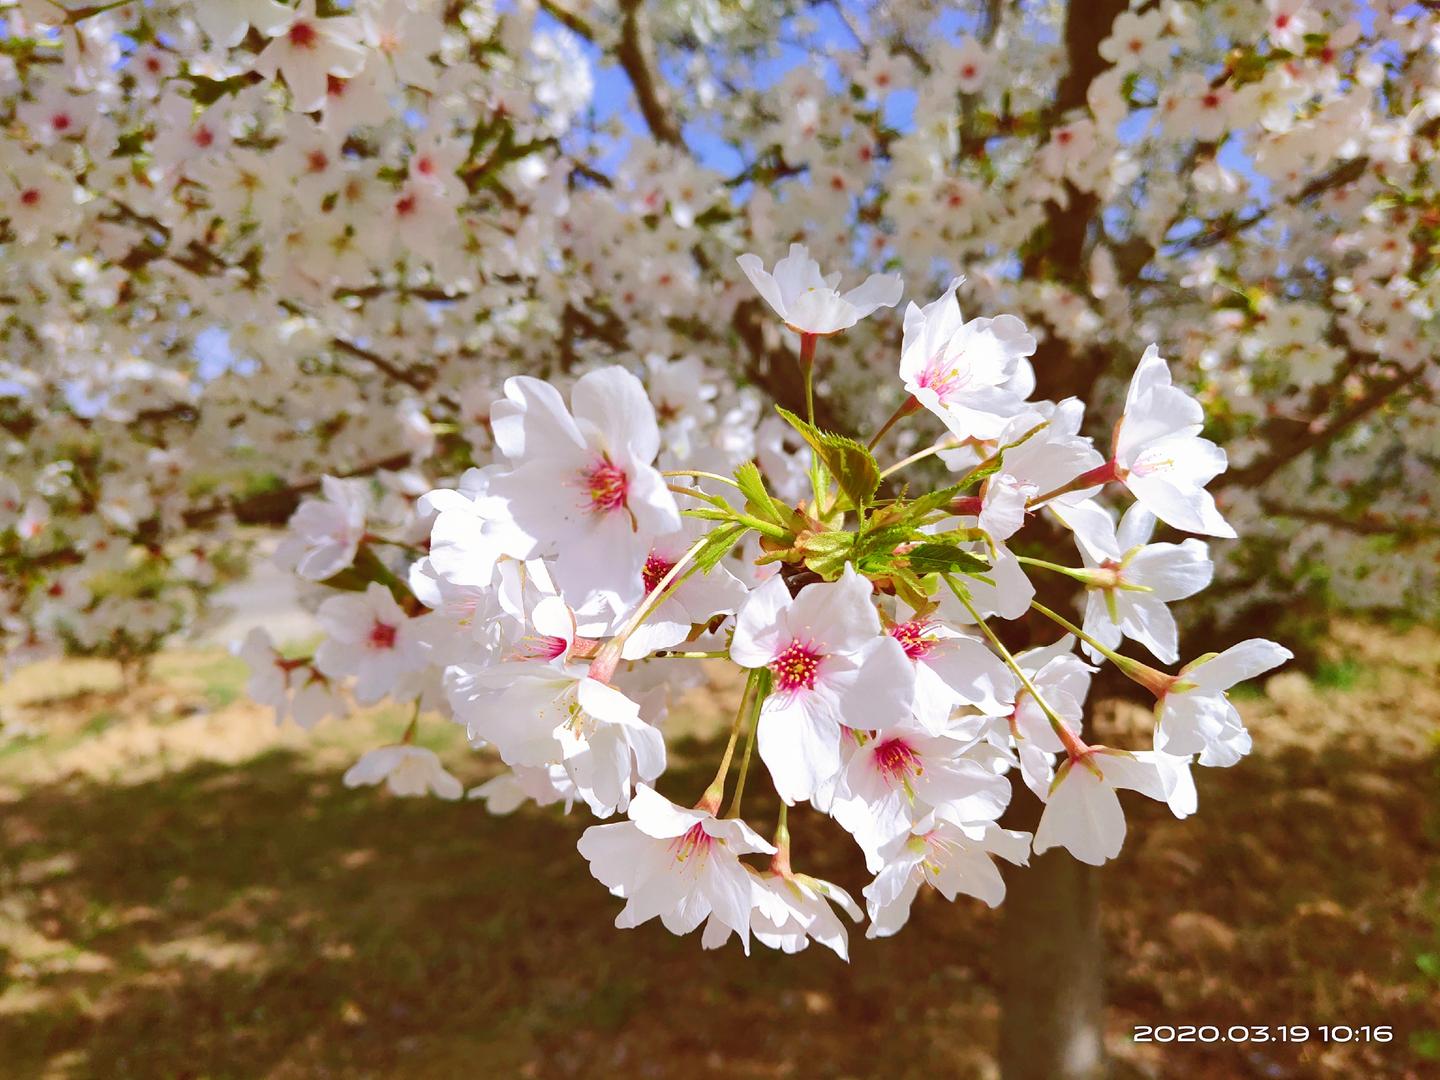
{"points": [[187, 891]]}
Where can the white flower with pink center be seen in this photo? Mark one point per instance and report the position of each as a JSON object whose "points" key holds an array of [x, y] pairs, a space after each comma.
{"points": [[695, 601], [952, 669], [809, 302], [542, 709], [963, 371], [952, 859], [307, 48], [895, 777], [1160, 456], [682, 865], [370, 637], [582, 488], [831, 667]]}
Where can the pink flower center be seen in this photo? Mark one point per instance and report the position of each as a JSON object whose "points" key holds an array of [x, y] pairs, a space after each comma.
{"points": [[543, 647], [914, 638], [897, 760], [656, 567], [607, 486], [303, 35], [796, 667], [945, 375], [382, 636], [695, 841], [29, 197]]}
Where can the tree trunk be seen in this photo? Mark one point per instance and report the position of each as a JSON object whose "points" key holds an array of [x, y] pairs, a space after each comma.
{"points": [[1052, 989]]}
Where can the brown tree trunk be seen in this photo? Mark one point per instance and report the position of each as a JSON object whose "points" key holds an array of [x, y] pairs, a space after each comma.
{"points": [[1052, 986]]}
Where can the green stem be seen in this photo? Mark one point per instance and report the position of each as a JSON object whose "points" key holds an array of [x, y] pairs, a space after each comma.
{"points": [[780, 862], [755, 707], [1157, 682], [1076, 572], [715, 793], [950, 442], [702, 475], [1074, 746]]}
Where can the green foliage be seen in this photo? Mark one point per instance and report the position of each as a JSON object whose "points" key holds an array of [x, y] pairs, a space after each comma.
{"points": [[848, 460]]}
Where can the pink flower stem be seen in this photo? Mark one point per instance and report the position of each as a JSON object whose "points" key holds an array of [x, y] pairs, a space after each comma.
{"points": [[1101, 474], [908, 406]]}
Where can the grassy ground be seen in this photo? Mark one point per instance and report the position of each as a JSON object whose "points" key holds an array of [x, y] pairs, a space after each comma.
{"points": [[186, 891]]}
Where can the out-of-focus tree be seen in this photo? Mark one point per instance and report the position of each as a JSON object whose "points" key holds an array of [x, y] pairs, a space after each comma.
{"points": [[250, 245]]}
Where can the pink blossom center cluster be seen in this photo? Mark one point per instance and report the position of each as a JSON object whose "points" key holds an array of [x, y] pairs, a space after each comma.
{"points": [[796, 667], [897, 760], [607, 486], [694, 841], [382, 635], [914, 638], [654, 571]]}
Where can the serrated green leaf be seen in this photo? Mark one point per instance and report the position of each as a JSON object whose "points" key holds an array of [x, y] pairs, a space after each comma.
{"points": [[752, 486], [849, 461], [944, 559], [717, 545]]}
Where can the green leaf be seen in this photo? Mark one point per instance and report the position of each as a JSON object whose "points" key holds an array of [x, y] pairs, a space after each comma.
{"points": [[945, 559], [827, 552], [752, 486], [850, 462], [717, 545]]}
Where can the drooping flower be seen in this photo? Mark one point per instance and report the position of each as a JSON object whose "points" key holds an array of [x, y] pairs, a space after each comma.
{"points": [[952, 859], [1195, 715], [1083, 814], [792, 909], [682, 865], [810, 303], [406, 770]]}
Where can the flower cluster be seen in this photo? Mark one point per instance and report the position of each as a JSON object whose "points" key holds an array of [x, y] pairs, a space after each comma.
{"points": [[246, 243], [572, 586]]}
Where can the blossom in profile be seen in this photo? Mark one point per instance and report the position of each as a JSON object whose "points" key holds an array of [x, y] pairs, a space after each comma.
{"points": [[306, 49], [1195, 715], [406, 770], [810, 303], [1160, 456], [1083, 814], [681, 865], [962, 371]]}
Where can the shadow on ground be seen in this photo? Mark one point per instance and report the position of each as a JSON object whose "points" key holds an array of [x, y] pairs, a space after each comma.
{"points": [[260, 920]]}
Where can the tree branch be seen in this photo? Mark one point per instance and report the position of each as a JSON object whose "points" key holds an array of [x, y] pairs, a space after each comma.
{"points": [[635, 53]]}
